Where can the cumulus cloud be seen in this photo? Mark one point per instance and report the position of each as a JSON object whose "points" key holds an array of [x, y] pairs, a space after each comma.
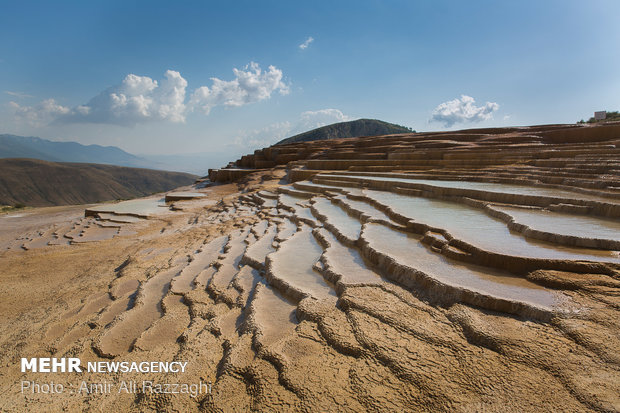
{"points": [[41, 113], [306, 43], [250, 85], [315, 119], [463, 110], [277, 131], [262, 137], [139, 99]]}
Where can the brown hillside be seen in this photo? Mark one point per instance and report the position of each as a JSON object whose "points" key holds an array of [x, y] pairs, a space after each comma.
{"points": [[40, 183]]}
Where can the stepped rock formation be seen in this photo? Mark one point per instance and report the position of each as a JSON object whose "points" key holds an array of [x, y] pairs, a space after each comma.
{"points": [[458, 271]]}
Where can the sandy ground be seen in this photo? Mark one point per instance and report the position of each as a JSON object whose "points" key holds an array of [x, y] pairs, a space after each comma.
{"points": [[312, 327]]}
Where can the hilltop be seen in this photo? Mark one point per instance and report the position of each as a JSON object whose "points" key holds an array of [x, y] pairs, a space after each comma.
{"points": [[41, 183], [360, 127]]}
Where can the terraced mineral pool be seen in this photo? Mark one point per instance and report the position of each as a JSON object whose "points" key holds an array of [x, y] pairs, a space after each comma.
{"points": [[257, 252], [260, 228], [78, 227], [274, 315], [245, 210], [365, 208], [183, 195], [346, 262], [135, 207], [564, 224], [489, 187], [59, 237], [406, 249], [293, 264], [94, 303], [208, 254], [125, 287], [150, 253], [124, 302], [267, 194], [108, 224], [165, 331], [347, 225], [288, 201], [269, 203], [118, 218], [305, 214], [317, 188], [203, 278], [475, 227], [95, 233], [41, 241], [119, 306], [230, 264], [292, 191], [282, 212], [286, 229], [119, 339], [126, 231], [246, 279]]}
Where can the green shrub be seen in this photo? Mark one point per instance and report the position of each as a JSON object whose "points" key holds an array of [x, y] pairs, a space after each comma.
{"points": [[611, 116]]}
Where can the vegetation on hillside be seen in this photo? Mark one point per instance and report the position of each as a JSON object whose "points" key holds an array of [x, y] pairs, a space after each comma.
{"points": [[360, 127], [10, 208], [611, 117]]}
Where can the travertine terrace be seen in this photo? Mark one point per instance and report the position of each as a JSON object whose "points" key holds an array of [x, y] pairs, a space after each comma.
{"points": [[458, 271]]}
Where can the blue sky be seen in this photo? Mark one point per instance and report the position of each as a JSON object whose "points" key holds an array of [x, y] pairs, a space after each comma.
{"points": [[430, 65]]}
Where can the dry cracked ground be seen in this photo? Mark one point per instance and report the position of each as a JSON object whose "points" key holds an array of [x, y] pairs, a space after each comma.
{"points": [[471, 271]]}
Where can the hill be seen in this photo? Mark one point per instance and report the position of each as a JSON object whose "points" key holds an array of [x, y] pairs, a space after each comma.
{"points": [[13, 146], [360, 127], [41, 183]]}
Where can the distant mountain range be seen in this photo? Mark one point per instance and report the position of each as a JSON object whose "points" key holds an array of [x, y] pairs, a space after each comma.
{"points": [[360, 127], [12, 146], [41, 183]]}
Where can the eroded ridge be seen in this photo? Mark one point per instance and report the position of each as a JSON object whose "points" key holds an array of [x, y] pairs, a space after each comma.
{"points": [[399, 273]]}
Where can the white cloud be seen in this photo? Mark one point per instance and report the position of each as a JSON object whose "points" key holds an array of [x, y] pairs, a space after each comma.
{"points": [[140, 99], [250, 85], [260, 138], [137, 99], [41, 113], [277, 131], [315, 119], [306, 43], [18, 94], [463, 110]]}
